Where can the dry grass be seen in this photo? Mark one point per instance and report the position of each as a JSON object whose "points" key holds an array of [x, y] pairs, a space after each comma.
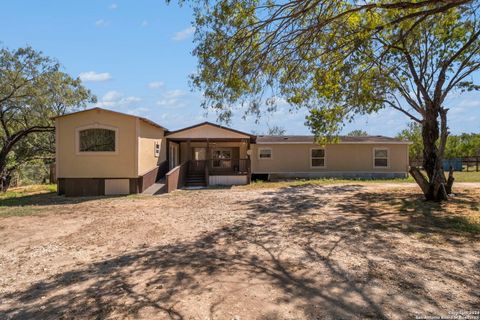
{"points": [[459, 177]]}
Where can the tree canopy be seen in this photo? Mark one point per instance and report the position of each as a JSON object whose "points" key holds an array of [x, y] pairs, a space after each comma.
{"points": [[32, 90], [341, 59], [458, 146]]}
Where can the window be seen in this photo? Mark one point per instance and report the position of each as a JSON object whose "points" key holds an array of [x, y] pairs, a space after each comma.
{"points": [[157, 149], [264, 153], [380, 158], [97, 140], [317, 158]]}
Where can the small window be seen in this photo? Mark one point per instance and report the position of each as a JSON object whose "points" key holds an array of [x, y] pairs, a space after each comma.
{"points": [[317, 158], [97, 140], [265, 153], [380, 158], [157, 149]]}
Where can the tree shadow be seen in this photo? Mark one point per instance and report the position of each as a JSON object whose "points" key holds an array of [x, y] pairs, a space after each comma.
{"points": [[410, 213], [47, 199], [326, 263]]}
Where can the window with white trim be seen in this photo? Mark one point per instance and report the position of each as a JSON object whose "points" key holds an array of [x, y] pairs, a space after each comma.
{"points": [[157, 149], [264, 153], [380, 158], [97, 140], [317, 158]]}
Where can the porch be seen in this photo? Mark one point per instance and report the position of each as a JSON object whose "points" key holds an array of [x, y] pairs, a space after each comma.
{"points": [[205, 162]]}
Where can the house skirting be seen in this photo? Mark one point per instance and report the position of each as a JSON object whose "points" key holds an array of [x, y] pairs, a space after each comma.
{"points": [[344, 175], [85, 187], [227, 180]]}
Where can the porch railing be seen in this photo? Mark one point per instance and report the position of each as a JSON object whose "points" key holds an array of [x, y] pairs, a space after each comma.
{"points": [[215, 166]]}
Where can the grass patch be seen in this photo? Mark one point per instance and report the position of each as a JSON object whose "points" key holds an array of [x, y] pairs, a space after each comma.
{"points": [[19, 192], [317, 182], [467, 176], [21, 201], [459, 177]]}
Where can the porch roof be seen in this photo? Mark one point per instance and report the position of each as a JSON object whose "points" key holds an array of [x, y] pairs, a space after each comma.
{"points": [[207, 131]]}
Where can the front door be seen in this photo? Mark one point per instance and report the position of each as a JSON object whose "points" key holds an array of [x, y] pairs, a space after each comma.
{"points": [[222, 157], [198, 160], [200, 154]]}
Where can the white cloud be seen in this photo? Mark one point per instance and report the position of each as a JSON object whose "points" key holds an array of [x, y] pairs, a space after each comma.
{"points": [[92, 76], [174, 93], [101, 23], [172, 99], [113, 6], [184, 34], [113, 99], [156, 84], [138, 111], [144, 23]]}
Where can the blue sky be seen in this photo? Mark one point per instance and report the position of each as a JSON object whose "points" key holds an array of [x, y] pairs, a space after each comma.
{"points": [[136, 57]]}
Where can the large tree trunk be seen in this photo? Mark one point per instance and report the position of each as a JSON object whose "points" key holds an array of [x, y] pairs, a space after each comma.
{"points": [[433, 157], [5, 180]]}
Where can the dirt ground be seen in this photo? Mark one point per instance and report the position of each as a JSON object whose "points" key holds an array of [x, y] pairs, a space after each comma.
{"points": [[309, 252]]}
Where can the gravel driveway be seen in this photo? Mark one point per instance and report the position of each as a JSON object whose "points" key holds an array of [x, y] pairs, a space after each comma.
{"points": [[309, 252]]}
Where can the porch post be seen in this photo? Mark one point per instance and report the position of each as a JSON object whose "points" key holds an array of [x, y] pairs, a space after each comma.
{"points": [[168, 154], [249, 169], [207, 163]]}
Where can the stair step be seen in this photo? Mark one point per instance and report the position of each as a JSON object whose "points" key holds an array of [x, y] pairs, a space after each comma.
{"points": [[198, 184]]}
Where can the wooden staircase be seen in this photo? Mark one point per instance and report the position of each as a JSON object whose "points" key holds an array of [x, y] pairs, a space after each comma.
{"points": [[196, 179]]}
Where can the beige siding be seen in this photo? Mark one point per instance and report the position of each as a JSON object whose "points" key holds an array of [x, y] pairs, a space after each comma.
{"points": [[71, 164], [148, 135], [288, 158], [208, 131]]}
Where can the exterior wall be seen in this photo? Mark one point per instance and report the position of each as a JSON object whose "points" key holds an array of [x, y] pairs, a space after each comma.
{"points": [[208, 131], [227, 180], [82, 187], [121, 164], [147, 136], [186, 154], [341, 160]]}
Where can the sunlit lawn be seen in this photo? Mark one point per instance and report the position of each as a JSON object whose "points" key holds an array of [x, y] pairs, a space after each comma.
{"points": [[459, 177]]}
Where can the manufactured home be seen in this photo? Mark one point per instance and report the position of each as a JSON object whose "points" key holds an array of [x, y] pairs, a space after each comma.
{"points": [[103, 152]]}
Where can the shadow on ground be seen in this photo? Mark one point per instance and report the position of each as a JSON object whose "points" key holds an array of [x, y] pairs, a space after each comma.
{"points": [[328, 259], [47, 199]]}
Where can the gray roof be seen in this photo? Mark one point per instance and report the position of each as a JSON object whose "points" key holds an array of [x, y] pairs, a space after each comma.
{"points": [[343, 139]]}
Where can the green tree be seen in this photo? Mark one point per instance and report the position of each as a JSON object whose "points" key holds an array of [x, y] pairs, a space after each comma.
{"points": [[457, 146], [339, 59], [357, 133], [413, 134], [32, 90]]}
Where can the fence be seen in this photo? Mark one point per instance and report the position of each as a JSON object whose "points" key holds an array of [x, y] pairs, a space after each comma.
{"points": [[467, 164]]}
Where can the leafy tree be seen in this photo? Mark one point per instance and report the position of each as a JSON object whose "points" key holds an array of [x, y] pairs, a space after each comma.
{"points": [[357, 133], [32, 90], [464, 145], [340, 59], [413, 134], [457, 146]]}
